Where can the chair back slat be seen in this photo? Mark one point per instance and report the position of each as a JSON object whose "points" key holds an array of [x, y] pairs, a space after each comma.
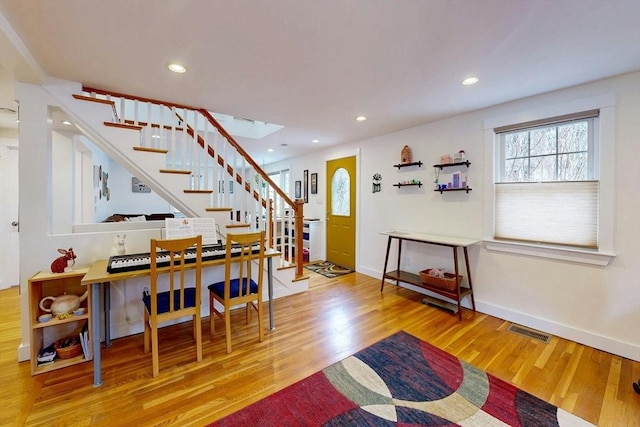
{"points": [[251, 255], [175, 252]]}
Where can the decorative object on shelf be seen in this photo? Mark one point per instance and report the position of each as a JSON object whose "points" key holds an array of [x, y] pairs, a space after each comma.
{"points": [[440, 279], [65, 262], [406, 156], [314, 183], [43, 318], [409, 182], [78, 311], [460, 157], [62, 304], [377, 183], [69, 347], [121, 249], [445, 159]]}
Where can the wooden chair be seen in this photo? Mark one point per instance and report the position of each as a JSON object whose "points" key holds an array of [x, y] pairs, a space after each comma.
{"points": [[229, 293], [180, 300]]}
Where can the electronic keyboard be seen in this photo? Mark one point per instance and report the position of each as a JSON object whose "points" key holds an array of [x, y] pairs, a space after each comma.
{"points": [[142, 261]]}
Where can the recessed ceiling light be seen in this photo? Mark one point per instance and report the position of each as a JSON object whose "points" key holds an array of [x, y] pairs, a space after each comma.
{"points": [[66, 122], [315, 141], [361, 118], [270, 150], [177, 68], [284, 145], [470, 81]]}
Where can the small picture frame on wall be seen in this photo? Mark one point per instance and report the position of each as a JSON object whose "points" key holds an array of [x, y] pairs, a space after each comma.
{"points": [[298, 189], [314, 183], [305, 185]]}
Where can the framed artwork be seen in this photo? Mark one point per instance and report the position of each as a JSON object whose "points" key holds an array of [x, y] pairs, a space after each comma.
{"points": [[305, 185], [298, 190], [314, 183]]}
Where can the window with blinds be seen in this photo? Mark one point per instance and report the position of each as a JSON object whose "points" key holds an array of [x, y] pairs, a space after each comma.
{"points": [[546, 186]]}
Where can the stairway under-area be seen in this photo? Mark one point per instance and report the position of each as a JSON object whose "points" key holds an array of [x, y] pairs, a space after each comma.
{"points": [[185, 156]]}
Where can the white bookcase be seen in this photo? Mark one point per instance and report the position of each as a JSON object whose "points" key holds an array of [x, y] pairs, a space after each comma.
{"points": [[313, 235]]}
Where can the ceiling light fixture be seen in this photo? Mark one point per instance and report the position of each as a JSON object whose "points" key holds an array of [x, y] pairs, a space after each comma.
{"points": [[270, 150], [470, 81], [315, 141], [177, 68], [361, 118], [66, 122]]}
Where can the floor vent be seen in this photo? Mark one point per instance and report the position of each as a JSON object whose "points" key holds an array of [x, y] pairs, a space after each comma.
{"points": [[530, 333]]}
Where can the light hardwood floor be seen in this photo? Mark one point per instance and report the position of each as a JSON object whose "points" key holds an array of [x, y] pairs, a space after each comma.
{"points": [[334, 319]]}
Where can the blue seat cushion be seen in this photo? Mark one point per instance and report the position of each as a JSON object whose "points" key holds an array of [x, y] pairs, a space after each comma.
{"points": [[163, 300], [218, 288]]}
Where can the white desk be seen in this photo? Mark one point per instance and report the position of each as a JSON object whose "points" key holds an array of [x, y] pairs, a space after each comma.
{"points": [[97, 277], [414, 279]]}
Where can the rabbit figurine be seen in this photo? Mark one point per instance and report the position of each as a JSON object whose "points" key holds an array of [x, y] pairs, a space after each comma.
{"points": [[67, 260], [119, 247]]}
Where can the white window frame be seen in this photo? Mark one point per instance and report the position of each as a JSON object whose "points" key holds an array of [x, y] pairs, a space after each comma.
{"points": [[606, 164]]}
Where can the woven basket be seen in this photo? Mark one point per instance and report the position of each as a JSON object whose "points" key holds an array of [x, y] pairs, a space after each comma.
{"points": [[68, 351], [447, 283]]}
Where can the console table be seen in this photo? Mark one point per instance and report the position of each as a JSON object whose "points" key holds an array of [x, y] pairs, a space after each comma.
{"points": [[414, 279]]}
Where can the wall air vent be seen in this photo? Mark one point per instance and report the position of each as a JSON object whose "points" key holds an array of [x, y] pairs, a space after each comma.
{"points": [[529, 333]]}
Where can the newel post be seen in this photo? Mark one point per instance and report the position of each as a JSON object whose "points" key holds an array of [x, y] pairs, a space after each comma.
{"points": [[299, 236]]}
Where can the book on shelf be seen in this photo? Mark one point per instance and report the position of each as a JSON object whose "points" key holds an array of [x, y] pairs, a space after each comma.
{"points": [[84, 340]]}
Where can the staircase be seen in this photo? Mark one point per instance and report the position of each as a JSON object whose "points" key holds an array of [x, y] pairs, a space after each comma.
{"points": [[184, 155]]}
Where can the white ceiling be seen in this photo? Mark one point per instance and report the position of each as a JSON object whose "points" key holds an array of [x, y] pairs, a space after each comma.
{"points": [[314, 65]]}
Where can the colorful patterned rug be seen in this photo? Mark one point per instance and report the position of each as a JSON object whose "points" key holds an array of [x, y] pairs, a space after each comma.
{"points": [[401, 381], [328, 269]]}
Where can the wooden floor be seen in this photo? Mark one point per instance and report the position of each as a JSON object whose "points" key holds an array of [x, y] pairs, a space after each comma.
{"points": [[334, 319]]}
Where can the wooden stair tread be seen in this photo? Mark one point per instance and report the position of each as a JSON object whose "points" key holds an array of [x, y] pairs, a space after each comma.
{"points": [[181, 172], [218, 209], [92, 99], [122, 126], [151, 150], [241, 225], [198, 191]]}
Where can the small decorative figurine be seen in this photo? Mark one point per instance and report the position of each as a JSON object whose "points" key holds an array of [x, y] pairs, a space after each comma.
{"points": [[377, 181], [67, 260], [406, 156], [120, 240], [461, 157]]}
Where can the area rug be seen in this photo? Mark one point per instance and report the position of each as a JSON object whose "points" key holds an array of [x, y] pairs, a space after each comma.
{"points": [[328, 269], [401, 381]]}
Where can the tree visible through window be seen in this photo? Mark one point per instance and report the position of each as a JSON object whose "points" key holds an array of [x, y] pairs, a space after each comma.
{"points": [[550, 153], [546, 188]]}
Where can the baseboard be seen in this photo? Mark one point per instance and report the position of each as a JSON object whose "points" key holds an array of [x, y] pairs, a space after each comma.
{"points": [[24, 352], [623, 349]]}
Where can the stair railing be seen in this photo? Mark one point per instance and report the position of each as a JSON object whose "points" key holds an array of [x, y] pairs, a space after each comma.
{"points": [[196, 143]]}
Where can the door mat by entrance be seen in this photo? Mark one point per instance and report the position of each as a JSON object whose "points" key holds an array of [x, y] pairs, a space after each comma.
{"points": [[328, 269]]}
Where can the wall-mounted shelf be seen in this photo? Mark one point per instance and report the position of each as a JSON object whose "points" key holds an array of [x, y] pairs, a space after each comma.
{"points": [[404, 165], [446, 165], [467, 189], [419, 184]]}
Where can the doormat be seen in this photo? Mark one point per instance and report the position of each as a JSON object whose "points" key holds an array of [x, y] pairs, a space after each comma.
{"points": [[402, 381], [328, 269]]}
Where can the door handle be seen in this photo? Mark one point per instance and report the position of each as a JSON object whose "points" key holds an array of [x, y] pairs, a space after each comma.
{"points": [[15, 223]]}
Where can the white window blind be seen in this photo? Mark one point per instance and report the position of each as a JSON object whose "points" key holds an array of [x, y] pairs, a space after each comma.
{"points": [[563, 213]]}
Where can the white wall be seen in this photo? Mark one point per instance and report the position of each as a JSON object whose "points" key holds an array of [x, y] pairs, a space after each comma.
{"points": [[598, 306]]}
